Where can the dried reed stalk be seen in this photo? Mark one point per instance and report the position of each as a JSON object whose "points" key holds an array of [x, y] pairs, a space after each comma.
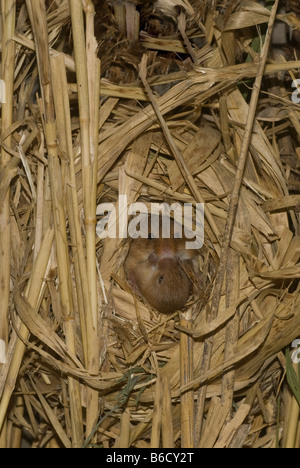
{"points": [[292, 433], [62, 109], [124, 430], [232, 328], [88, 97], [39, 23], [167, 419], [33, 294], [157, 412], [186, 376], [7, 66]]}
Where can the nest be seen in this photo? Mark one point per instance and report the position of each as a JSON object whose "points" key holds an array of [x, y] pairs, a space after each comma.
{"points": [[196, 106]]}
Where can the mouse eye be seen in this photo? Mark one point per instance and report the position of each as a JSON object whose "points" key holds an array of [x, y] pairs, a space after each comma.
{"points": [[160, 279]]}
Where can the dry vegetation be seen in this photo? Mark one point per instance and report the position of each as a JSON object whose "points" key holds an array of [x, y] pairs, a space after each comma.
{"points": [[174, 100]]}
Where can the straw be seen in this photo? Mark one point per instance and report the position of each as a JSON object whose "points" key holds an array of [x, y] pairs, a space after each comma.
{"points": [[7, 72], [187, 106]]}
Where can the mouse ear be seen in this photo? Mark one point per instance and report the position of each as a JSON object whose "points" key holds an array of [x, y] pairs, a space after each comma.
{"points": [[187, 254], [191, 269]]}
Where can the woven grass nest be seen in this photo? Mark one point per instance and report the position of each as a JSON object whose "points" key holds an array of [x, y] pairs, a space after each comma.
{"points": [[165, 101]]}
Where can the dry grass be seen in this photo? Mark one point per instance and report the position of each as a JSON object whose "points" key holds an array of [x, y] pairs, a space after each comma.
{"points": [[193, 105]]}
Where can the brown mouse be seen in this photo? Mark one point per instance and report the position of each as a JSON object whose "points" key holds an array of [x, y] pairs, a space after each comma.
{"points": [[160, 270]]}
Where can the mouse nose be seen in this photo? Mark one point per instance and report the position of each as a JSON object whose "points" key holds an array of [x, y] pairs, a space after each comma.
{"points": [[166, 249]]}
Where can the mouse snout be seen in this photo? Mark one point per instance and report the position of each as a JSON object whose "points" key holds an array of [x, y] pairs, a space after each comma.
{"points": [[166, 249]]}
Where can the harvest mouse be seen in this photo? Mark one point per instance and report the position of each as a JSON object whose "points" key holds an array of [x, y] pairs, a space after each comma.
{"points": [[160, 269]]}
